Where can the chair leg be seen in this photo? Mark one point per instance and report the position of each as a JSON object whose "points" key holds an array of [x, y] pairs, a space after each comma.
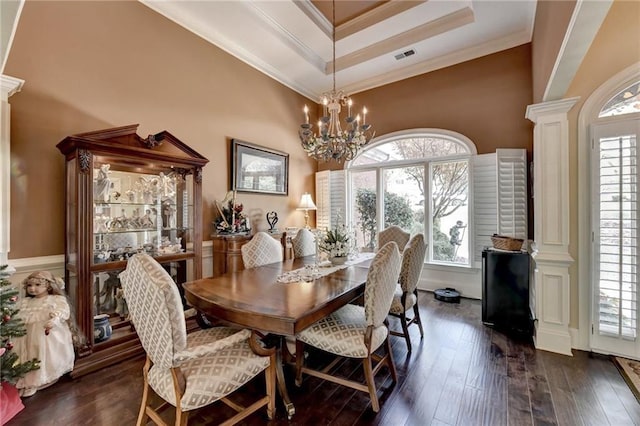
{"points": [[390, 363], [416, 316], [405, 330], [299, 361], [142, 415], [371, 384]]}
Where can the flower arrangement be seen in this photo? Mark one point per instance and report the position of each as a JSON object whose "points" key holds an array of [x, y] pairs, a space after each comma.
{"points": [[231, 219], [337, 242]]}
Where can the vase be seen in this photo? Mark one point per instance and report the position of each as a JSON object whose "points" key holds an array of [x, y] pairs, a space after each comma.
{"points": [[338, 260], [101, 328]]}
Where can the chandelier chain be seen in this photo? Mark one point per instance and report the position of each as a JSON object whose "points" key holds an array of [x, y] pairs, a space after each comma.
{"points": [[331, 142]]}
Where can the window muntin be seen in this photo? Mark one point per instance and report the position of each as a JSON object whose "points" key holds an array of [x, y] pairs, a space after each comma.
{"points": [[627, 101], [411, 148], [403, 169]]}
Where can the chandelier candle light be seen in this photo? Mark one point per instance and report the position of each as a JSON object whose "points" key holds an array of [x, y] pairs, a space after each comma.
{"points": [[331, 142]]}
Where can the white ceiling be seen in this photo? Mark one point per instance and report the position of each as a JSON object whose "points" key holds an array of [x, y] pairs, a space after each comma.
{"points": [[291, 41]]}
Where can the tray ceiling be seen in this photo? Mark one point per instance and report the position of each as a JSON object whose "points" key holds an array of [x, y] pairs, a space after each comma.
{"points": [[377, 42]]}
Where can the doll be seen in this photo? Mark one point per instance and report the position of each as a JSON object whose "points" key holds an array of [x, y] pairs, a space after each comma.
{"points": [[46, 314]]}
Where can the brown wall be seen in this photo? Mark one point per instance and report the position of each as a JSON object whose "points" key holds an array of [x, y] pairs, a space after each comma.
{"points": [[551, 22], [484, 99], [95, 65]]}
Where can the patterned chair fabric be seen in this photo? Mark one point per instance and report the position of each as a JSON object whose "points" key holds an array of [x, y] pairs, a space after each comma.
{"points": [[393, 233], [213, 362], [357, 331], [304, 243], [406, 294], [261, 250]]}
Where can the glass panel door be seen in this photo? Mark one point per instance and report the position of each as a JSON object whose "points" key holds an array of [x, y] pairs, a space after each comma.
{"points": [[615, 238]]}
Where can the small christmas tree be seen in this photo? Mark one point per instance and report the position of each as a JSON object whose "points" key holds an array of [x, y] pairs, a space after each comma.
{"points": [[10, 326]]}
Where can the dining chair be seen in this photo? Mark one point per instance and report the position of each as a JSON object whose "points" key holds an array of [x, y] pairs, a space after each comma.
{"points": [[358, 331], [261, 250], [393, 233], [192, 370], [304, 243], [406, 295]]}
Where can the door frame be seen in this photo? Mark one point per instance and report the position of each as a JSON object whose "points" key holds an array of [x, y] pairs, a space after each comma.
{"points": [[587, 116]]}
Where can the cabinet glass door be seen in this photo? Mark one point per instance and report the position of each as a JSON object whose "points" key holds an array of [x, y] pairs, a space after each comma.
{"points": [[139, 212]]}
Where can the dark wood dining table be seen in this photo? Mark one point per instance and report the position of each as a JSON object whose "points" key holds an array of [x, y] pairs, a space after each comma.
{"points": [[255, 299]]}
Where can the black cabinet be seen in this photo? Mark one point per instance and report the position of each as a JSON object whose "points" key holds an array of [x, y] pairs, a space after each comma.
{"points": [[505, 291]]}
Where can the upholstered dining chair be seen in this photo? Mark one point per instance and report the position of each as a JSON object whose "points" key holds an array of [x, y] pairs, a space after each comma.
{"points": [[189, 371], [304, 243], [261, 250], [393, 233], [358, 331], [406, 295]]}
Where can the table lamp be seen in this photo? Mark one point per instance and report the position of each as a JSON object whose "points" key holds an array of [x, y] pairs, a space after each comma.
{"points": [[306, 204]]}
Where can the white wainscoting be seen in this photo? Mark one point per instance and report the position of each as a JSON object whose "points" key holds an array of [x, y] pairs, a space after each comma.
{"points": [[55, 264]]}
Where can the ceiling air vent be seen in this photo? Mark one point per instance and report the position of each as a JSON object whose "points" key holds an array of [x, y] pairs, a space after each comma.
{"points": [[405, 54]]}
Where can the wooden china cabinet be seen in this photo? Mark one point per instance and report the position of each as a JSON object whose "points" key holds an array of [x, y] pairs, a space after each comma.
{"points": [[125, 195]]}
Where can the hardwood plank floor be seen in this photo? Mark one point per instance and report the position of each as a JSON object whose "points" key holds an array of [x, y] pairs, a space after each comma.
{"points": [[461, 373]]}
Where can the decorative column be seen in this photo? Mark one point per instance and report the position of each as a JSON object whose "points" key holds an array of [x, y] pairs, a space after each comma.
{"points": [[8, 86], [551, 282]]}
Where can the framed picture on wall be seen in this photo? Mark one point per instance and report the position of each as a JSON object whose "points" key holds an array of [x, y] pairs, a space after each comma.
{"points": [[255, 168]]}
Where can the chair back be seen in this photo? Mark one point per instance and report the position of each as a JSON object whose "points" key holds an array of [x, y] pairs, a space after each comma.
{"points": [[261, 250], [155, 307], [381, 284], [412, 263], [304, 243], [393, 233]]}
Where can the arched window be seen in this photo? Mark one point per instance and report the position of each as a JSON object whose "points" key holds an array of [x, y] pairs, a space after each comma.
{"points": [[424, 176]]}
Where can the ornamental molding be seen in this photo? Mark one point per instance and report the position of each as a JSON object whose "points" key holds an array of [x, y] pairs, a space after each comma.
{"points": [[10, 86], [536, 111]]}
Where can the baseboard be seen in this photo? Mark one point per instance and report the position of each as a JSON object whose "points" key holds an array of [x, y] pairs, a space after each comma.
{"points": [[552, 341]]}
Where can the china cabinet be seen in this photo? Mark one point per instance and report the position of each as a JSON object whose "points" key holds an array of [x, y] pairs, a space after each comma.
{"points": [[125, 195]]}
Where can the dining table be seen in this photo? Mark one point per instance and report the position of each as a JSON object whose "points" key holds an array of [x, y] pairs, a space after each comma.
{"points": [[280, 299]]}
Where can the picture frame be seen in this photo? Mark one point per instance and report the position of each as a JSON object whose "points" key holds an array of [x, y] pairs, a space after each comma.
{"points": [[255, 168]]}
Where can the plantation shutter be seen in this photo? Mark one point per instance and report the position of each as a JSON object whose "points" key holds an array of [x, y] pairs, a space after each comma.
{"points": [[485, 202], [512, 192], [500, 196], [331, 198], [615, 230]]}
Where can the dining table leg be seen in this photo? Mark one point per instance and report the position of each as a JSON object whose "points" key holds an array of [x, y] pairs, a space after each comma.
{"points": [[280, 344]]}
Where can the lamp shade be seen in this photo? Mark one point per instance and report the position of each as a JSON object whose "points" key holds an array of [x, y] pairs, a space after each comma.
{"points": [[306, 202]]}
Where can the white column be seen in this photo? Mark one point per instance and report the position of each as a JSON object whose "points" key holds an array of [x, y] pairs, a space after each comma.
{"points": [[8, 86], [551, 224]]}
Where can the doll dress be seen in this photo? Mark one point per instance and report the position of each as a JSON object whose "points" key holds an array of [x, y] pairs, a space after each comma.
{"points": [[55, 350]]}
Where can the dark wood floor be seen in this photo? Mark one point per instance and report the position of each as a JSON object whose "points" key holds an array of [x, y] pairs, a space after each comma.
{"points": [[462, 373]]}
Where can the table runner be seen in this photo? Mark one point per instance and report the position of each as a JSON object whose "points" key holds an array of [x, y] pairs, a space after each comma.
{"points": [[311, 272]]}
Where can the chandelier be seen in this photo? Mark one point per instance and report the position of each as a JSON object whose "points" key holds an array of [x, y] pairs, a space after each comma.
{"points": [[331, 142]]}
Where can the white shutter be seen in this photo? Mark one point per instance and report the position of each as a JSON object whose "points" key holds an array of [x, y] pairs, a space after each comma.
{"points": [[499, 196], [330, 198], [615, 225], [323, 200], [485, 202], [512, 192]]}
